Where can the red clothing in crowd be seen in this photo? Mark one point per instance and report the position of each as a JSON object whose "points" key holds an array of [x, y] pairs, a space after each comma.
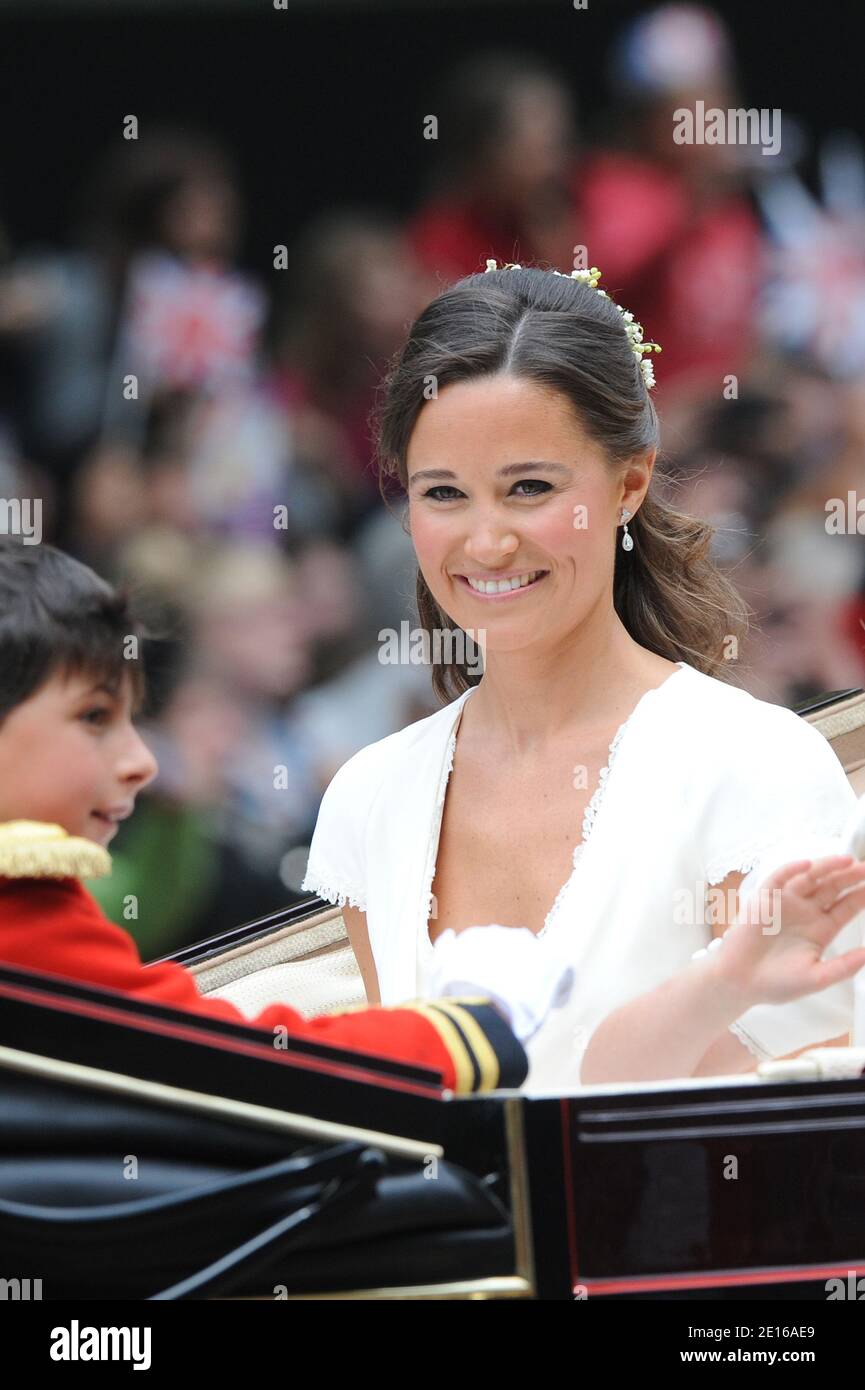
{"points": [[688, 275], [452, 237]]}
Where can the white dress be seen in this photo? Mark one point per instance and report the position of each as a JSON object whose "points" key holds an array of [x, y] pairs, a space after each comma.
{"points": [[703, 779]]}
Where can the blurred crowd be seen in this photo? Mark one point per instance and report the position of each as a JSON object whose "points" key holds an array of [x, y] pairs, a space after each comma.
{"points": [[202, 434]]}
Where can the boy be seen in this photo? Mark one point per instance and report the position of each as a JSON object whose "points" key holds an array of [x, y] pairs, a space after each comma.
{"points": [[71, 766]]}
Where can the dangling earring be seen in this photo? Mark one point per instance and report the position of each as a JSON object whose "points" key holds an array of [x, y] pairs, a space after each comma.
{"points": [[627, 540]]}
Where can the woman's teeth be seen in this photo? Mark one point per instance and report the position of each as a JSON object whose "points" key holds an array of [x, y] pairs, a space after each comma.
{"points": [[502, 586]]}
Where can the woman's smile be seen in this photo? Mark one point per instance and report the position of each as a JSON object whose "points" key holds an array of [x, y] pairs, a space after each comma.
{"points": [[501, 586]]}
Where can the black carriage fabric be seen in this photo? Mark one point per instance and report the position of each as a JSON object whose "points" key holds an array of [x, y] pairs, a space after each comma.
{"points": [[113, 1198]]}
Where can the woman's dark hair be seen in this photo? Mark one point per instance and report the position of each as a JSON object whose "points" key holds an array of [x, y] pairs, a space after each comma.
{"points": [[56, 615], [558, 333]]}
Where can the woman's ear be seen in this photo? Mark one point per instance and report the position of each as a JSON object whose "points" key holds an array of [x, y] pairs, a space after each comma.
{"points": [[636, 479]]}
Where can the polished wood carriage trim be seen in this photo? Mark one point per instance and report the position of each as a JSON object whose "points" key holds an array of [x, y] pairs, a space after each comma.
{"points": [[191, 1027], [721, 1279], [241, 1112]]}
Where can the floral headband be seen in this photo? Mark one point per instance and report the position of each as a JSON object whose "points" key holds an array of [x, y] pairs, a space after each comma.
{"points": [[633, 329]]}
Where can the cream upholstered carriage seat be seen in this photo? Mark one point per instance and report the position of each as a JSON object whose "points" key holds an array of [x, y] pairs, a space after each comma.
{"points": [[841, 719], [310, 965]]}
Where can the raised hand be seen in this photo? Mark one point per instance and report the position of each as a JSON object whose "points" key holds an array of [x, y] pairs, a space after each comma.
{"points": [[774, 950]]}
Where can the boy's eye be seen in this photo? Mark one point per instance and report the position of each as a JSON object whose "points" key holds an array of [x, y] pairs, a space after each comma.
{"points": [[98, 715]]}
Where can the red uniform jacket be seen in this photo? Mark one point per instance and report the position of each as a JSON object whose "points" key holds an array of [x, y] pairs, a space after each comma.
{"points": [[53, 924]]}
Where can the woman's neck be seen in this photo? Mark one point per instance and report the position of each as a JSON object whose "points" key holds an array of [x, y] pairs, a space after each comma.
{"points": [[527, 700]]}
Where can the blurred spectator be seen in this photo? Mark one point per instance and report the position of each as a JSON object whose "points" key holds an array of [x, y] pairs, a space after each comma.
{"points": [[221, 464], [503, 184], [366, 699], [235, 789], [670, 224], [353, 292], [762, 470], [148, 291], [814, 299]]}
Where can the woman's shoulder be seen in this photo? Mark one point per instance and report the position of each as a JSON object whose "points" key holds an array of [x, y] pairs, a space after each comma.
{"points": [[754, 775], [737, 710], [388, 773], [742, 734]]}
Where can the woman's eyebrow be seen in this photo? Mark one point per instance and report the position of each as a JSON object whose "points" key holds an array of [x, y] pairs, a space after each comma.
{"points": [[506, 472]]}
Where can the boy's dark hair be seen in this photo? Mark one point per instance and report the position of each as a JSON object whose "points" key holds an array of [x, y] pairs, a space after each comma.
{"points": [[56, 615]]}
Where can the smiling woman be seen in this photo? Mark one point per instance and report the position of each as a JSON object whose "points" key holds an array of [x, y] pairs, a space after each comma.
{"points": [[601, 766], [526, 358]]}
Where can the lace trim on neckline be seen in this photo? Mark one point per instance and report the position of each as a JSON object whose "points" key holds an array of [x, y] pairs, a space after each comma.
{"points": [[589, 815], [433, 842], [589, 818]]}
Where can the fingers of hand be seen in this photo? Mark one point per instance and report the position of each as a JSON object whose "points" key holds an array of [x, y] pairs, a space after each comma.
{"points": [[820, 887], [833, 884], [783, 875], [808, 881], [832, 972], [829, 922], [843, 910]]}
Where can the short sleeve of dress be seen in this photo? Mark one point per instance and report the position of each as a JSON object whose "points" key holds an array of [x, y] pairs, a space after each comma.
{"points": [[337, 865], [779, 785], [782, 796]]}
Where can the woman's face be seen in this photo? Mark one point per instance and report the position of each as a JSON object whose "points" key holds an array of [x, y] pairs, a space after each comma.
{"points": [[505, 485]]}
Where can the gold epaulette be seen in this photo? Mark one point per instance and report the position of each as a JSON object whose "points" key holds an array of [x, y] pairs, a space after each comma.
{"points": [[33, 849]]}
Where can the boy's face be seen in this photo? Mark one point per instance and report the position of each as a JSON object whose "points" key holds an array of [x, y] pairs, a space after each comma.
{"points": [[70, 755]]}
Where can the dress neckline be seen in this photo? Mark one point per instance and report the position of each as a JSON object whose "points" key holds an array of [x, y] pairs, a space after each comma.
{"points": [[590, 814]]}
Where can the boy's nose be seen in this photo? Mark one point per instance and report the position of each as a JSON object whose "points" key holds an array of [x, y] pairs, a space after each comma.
{"points": [[139, 764]]}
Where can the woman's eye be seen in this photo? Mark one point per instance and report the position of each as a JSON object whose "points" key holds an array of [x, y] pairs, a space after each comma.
{"points": [[442, 487], [537, 484]]}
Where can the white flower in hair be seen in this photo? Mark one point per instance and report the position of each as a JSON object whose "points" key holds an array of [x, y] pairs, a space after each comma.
{"points": [[633, 329]]}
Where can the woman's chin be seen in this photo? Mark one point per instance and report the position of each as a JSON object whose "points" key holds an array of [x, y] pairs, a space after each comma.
{"points": [[504, 642]]}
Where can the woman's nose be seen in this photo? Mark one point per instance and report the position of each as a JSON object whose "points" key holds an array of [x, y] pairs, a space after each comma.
{"points": [[488, 542]]}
